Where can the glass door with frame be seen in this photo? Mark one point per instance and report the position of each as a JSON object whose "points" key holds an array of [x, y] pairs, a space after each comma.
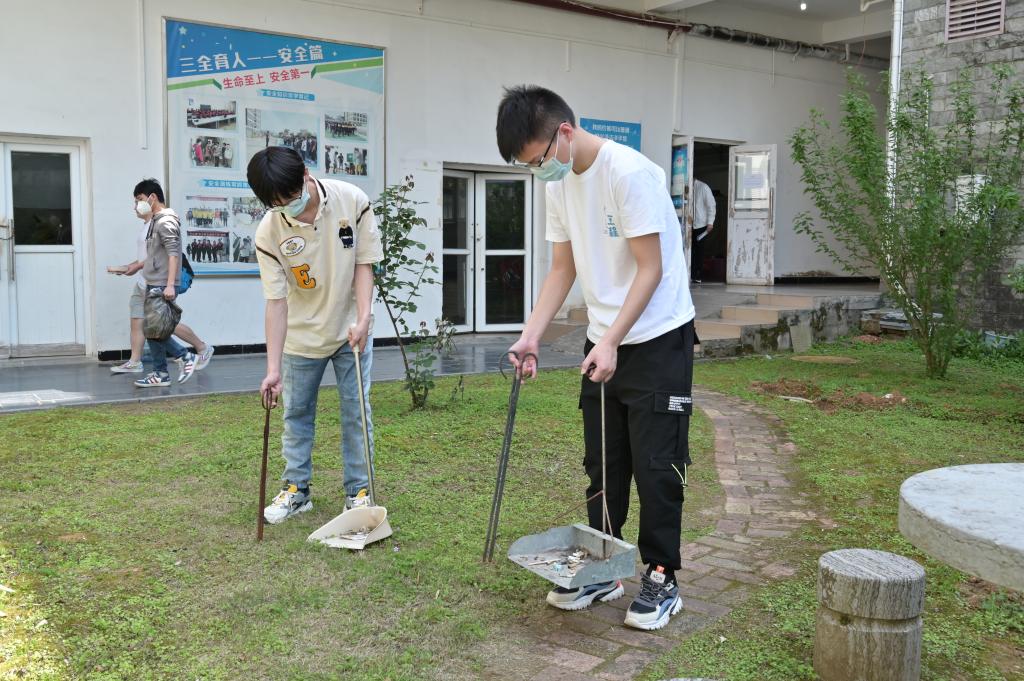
{"points": [[40, 244], [486, 250], [457, 249], [503, 245]]}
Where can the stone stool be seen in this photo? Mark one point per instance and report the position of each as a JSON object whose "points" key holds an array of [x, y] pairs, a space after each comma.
{"points": [[869, 617]]}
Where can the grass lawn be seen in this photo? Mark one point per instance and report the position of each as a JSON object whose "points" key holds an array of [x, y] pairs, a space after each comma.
{"points": [[127, 533], [853, 456]]}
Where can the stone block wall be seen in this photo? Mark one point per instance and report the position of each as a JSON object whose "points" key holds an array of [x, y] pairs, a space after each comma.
{"points": [[924, 44]]}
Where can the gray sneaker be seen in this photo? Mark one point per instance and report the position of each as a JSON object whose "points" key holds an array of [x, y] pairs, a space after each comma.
{"points": [[203, 358], [127, 368], [289, 501]]}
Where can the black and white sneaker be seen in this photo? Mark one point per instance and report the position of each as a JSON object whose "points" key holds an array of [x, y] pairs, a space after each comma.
{"points": [[582, 597], [657, 601]]}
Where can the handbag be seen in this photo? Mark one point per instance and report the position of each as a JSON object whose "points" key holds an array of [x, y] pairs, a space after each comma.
{"points": [[160, 315]]}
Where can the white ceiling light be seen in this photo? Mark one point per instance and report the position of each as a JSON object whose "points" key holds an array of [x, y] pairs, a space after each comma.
{"points": [[803, 6]]}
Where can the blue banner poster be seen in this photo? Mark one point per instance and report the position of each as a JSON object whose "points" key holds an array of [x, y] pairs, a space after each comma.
{"points": [[618, 131], [232, 92]]}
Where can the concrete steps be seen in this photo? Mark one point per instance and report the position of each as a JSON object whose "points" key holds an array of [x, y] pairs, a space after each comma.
{"points": [[755, 314], [774, 320], [721, 328]]}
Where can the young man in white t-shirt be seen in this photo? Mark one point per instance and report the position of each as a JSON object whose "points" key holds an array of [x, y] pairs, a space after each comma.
{"points": [[614, 229], [316, 247]]}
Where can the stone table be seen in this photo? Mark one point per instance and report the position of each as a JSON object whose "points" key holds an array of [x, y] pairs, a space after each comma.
{"points": [[970, 517]]}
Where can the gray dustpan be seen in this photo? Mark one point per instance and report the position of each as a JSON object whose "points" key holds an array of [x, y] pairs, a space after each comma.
{"points": [[357, 527], [578, 555], [575, 555]]}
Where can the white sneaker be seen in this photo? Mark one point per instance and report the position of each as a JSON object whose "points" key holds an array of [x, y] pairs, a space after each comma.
{"points": [[203, 358], [188, 367], [127, 368], [289, 501], [358, 501]]}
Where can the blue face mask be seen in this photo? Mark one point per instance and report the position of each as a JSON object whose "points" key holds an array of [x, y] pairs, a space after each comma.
{"points": [[293, 209], [553, 170]]}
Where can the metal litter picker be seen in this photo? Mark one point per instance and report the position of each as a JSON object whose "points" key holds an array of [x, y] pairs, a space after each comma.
{"points": [[362, 525], [506, 450], [578, 555]]}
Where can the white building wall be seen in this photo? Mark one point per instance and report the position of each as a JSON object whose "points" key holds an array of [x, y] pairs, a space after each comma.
{"points": [[744, 94], [95, 74]]}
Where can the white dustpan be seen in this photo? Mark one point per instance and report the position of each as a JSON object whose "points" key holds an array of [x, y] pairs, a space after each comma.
{"points": [[355, 528]]}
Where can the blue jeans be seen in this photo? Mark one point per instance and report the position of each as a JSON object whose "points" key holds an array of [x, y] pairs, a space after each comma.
{"points": [[301, 378], [160, 350]]}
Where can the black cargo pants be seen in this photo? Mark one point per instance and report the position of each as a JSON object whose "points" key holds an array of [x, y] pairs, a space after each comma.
{"points": [[647, 407]]}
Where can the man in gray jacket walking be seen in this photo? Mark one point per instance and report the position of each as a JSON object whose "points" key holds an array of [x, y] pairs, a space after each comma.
{"points": [[162, 270]]}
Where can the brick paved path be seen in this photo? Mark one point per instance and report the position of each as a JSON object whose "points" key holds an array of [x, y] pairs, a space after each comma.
{"points": [[752, 456]]}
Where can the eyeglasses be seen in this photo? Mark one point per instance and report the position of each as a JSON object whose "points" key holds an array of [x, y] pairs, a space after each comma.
{"points": [[294, 203], [543, 157]]}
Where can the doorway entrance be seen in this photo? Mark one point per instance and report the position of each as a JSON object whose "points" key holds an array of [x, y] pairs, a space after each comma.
{"points": [[42, 310], [711, 166], [486, 250]]}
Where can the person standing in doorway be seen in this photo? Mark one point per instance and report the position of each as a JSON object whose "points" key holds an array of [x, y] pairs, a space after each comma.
{"points": [[703, 222], [319, 292], [614, 229]]}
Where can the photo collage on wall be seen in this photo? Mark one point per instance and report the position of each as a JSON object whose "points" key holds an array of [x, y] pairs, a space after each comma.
{"points": [[233, 92]]}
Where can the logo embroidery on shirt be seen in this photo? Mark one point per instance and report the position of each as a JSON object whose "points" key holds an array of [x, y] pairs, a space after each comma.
{"points": [[345, 233], [611, 229], [293, 246]]}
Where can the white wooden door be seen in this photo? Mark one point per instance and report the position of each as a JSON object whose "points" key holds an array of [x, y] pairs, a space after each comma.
{"points": [[44, 280], [750, 257], [503, 261]]}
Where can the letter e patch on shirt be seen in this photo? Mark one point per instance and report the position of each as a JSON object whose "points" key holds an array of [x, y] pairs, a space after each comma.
{"points": [[302, 277]]}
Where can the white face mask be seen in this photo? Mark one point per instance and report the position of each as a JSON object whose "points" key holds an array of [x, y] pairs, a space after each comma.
{"points": [[143, 208]]}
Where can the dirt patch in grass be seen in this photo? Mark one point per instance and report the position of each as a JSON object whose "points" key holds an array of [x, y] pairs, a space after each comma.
{"points": [[868, 338], [786, 387], [860, 401]]}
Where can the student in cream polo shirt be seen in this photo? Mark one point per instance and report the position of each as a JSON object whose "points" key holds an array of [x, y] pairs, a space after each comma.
{"points": [[316, 248]]}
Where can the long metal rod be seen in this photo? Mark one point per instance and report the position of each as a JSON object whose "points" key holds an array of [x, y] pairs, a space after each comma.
{"points": [[605, 524], [267, 401], [503, 457], [366, 430]]}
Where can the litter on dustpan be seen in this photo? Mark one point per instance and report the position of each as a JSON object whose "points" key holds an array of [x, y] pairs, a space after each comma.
{"points": [[570, 555], [574, 555]]}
